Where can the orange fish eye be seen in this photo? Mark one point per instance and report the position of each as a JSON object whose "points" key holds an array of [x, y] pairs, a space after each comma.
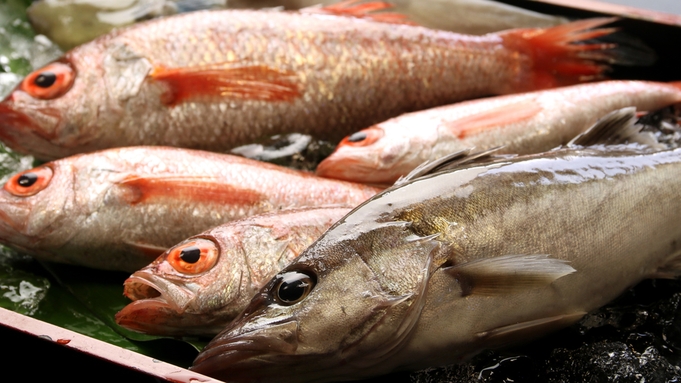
{"points": [[364, 137], [29, 182], [193, 257], [49, 82]]}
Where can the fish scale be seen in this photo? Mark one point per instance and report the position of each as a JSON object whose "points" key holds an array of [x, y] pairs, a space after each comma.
{"points": [[249, 74]]}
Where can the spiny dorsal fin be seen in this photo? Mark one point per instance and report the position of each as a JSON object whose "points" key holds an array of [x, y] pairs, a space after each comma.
{"points": [[615, 127], [371, 10], [508, 273], [448, 162]]}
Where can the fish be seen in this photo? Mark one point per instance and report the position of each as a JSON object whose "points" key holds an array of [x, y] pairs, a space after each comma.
{"points": [[119, 209], [214, 80], [445, 265], [74, 22], [524, 123], [199, 286]]}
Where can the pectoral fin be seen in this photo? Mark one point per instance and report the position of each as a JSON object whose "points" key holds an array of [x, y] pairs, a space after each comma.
{"points": [[250, 82], [508, 273], [520, 332], [499, 117], [140, 189]]}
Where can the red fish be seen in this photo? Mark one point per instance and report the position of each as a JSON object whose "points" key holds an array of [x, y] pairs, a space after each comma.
{"points": [[119, 209], [200, 285], [218, 79], [525, 123]]}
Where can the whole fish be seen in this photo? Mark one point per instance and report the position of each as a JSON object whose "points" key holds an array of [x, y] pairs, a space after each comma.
{"points": [[69, 23], [200, 285], [119, 209], [523, 124], [219, 79], [444, 266]]}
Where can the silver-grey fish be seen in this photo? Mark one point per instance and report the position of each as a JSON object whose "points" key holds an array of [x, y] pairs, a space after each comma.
{"points": [[443, 266]]}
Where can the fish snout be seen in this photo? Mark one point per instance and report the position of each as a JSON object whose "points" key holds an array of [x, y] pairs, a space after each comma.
{"points": [[238, 354]]}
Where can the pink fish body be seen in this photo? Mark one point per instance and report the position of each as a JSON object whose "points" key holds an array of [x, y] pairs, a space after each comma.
{"points": [[218, 79], [119, 209], [525, 123], [200, 285]]}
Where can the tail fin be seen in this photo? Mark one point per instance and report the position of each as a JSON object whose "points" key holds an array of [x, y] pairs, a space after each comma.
{"points": [[572, 53]]}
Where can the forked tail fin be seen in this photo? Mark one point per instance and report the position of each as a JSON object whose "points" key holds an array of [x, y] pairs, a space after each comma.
{"points": [[571, 53]]}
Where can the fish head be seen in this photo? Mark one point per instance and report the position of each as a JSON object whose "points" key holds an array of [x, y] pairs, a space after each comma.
{"points": [[56, 110], [33, 206], [332, 314], [193, 288], [377, 155]]}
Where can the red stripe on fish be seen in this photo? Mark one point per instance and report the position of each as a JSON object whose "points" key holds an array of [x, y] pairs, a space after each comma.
{"points": [[255, 82], [507, 114], [146, 189]]}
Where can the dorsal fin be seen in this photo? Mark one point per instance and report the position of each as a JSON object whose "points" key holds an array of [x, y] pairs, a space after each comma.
{"points": [[615, 127], [448, 162], [619, 127], [362, 10]]}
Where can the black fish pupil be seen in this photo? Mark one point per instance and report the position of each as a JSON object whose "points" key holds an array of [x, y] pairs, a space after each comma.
{"points": [[292, 291], [27, 179], [356, 137], [45, 79], [190, 254]]}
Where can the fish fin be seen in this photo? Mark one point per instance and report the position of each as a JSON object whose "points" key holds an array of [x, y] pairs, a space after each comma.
{"points": [[519, 332], [139, 189], [350, 8], [448, 162], [251, 82], [618, 127], [148, 249], [565, 54], [497, 117], [508, 273], [671, 268]]}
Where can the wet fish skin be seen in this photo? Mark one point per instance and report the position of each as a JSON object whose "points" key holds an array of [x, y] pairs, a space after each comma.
{"points": [[249, 74], [442, 267], [120, 209], [172, 300], [523, 124]]}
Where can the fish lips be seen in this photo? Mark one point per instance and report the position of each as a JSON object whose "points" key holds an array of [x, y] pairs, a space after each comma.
{"points": [[239, 356], [158, 304], [29, 132]]}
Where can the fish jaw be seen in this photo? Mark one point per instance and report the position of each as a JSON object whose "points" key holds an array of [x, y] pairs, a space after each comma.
{"points": [[158, 305]]}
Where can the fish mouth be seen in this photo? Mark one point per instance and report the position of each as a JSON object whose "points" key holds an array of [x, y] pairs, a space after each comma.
{"points": [[237, 355], [353, 170], [158, 305], [24, 133]]}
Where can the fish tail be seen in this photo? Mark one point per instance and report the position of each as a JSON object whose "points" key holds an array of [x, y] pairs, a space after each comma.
{"points": [[571, 53]]}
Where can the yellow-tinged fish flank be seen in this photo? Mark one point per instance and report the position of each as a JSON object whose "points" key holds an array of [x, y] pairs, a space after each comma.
{"points": [[444, 266]]}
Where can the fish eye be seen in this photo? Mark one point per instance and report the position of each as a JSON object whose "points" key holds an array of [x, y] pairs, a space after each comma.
{"points": [[293, 287], [29, 182], [363, 138], [356, 137], [193, 257], [49, 82]]}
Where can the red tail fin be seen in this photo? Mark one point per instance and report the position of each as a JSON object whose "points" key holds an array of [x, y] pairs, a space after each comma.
{"points": [[566, 54]]}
